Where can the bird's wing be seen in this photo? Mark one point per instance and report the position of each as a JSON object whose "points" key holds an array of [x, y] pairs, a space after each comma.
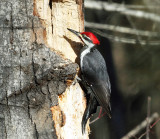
{"points": [[97, 77], [103, 97]]}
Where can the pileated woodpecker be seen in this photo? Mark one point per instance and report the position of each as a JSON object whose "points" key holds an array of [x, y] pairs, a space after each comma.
{"points": [[94, 76]]}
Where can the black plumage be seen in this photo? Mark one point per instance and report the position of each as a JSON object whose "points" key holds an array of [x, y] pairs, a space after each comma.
{"points": [[95, 76]]}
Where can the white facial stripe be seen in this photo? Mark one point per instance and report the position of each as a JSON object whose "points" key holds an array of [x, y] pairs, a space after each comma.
{"points": [[86, 40], [87, 43]]}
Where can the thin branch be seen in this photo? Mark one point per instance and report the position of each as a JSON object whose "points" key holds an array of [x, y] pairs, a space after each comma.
{"points": [[120, 29], [142, 6], [148, 115], [141, 126], [149, 128], [126, 40], [134, 27], [114, 7]]}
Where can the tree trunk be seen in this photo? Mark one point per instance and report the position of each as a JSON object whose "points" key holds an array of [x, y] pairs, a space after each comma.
{"points": [[38, 98]]}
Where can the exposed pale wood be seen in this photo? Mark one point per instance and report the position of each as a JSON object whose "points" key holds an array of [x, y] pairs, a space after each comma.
{"points": [[69, 113], [56, 19]]}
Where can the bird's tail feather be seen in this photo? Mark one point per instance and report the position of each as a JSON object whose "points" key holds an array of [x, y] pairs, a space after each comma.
{"points": [[90, 109]]}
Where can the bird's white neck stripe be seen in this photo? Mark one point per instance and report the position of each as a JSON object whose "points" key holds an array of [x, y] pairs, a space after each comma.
{"points": [[86, 51]]}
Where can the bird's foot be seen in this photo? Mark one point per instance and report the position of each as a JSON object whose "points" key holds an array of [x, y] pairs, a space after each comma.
{"points": [[100, 115], [76, 80]]}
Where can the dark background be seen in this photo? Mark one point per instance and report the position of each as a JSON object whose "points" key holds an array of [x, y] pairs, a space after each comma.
{"points": [[134, 71]]}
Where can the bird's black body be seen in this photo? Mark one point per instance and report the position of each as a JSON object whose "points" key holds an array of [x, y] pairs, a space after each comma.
{"points": [[95, 76]]}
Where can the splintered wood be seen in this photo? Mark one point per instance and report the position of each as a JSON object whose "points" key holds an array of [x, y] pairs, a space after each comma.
{"points": [[56, 16], [68, 114]]}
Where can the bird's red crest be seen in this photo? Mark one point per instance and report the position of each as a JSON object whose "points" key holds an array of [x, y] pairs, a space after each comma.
{"points": [[92, 37]]}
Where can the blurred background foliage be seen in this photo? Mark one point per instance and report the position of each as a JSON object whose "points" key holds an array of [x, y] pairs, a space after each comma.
{"points": [[134, 67]]}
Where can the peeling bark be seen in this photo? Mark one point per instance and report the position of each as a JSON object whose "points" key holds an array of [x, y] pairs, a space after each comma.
{"points": [[36, 55]]}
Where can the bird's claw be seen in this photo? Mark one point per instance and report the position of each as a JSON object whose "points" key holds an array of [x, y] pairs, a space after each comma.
{"points": [[76, 80]]}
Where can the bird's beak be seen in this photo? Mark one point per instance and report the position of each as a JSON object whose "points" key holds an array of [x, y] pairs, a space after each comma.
{"points": [[75, 32]]}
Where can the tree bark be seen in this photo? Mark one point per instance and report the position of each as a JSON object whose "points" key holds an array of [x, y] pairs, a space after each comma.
{"points": [[37, 69]]}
